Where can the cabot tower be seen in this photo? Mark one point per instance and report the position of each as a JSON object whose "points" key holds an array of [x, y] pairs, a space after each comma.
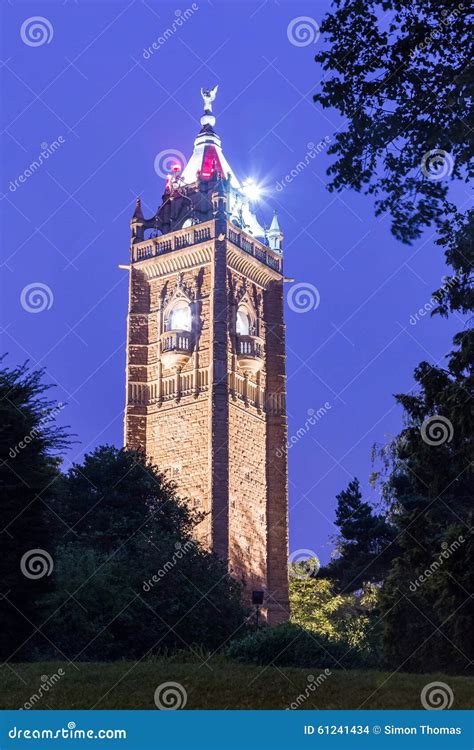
{"points": [[205, 395]]}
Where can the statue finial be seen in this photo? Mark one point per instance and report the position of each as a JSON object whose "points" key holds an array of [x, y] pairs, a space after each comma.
{"points": [[208, 96]]}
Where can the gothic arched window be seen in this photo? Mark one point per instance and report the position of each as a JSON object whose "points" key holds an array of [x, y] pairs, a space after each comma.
{"points": [[179, 317], [242, 325]]}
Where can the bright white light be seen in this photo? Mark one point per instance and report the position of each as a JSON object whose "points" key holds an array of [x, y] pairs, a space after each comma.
{"points": [[180, 318], [243, 323], [251, 190]]}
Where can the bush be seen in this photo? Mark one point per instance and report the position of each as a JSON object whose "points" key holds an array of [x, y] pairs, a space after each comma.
{"points": [[290, 645], [315, 606], [116, 614]]}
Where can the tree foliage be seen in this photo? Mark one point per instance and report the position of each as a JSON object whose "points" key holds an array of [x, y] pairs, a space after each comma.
{"points": [[130, 579], [428, 488], [115, 493], [313, 603], [318, 608], [30, 445], [365, 544], [399, 72]]}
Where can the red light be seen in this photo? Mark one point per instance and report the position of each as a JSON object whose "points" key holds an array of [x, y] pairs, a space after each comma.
{"points": [[210, 162], [176, 167]]}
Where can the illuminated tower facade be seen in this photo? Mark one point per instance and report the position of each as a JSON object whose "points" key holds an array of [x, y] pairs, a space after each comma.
{"points": [[205, 393]]}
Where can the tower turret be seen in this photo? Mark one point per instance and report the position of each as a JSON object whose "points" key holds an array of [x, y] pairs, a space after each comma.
{"points": [[137, 222], [275, 235], [219, 200]]}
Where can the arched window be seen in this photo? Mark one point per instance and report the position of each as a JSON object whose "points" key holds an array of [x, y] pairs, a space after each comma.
{"points": [[243, 322], [179, 317]]}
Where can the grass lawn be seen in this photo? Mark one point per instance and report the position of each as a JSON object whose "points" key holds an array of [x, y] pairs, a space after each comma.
{"points": [[220, 685]]}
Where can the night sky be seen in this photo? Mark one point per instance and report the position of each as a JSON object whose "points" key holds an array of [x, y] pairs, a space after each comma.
{"points": [[106, 109]]}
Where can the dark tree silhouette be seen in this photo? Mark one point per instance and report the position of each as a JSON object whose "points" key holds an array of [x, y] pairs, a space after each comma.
{"points": [[426, 598], [30, 444], [400, 73], [130, 579], [365, 544]]}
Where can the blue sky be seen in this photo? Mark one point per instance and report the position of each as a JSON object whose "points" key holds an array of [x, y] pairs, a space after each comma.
{"points": [[105, 110]]}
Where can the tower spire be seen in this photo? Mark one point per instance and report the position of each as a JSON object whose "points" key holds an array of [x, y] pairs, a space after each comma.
{"points": [[137, 222], [138, 213], [207, 158]]}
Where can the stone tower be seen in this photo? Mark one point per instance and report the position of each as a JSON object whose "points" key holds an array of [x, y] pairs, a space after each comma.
{"points": [[205, 393]]}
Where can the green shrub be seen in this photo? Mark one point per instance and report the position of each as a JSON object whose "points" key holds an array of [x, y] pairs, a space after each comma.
{"points": [[290, 645]]}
